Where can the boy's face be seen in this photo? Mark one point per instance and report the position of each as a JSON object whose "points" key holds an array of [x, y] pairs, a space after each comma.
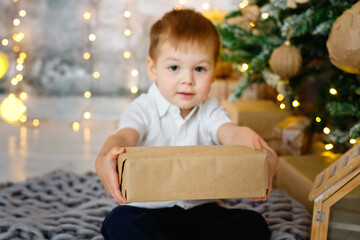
{"points": [[183, 75]]}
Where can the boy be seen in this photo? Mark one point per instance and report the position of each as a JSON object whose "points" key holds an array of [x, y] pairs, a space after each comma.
{"points": [[184, 48]]}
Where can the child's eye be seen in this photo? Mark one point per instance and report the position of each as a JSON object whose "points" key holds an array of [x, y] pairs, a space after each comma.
{"points": [[199, 69], [174, 68]]}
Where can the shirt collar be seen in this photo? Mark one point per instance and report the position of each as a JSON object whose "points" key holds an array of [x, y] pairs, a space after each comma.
{"points": [[162, 104]]}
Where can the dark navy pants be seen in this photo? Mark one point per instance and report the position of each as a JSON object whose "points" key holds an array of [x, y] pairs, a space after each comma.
{"points": [[208, 221]]}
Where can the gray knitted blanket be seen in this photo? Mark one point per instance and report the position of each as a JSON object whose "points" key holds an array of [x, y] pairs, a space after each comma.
{"points": [[64, 205]]}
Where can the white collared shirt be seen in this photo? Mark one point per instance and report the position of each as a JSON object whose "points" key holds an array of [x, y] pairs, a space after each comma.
{"points": [[159, 123]]}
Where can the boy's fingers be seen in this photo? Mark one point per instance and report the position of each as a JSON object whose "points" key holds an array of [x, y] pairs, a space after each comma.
{"points": [[257, 143]]}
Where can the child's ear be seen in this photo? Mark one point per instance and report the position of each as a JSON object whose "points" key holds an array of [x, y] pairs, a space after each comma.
{"points": [[151, 69]]}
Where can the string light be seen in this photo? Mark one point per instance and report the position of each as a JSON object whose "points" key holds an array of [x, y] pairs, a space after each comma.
{"points": [[22, 55], [326, 130], [5, 42], [12, 108], [16, 22], [127, 54], [14, 81], [134, 72], [19, 67], [296, 103], [92, 37], [76, 126], [23, 96], [127, 32], [86, 55], [206, 6], [22, 13], [243, 67], [127, 14], [282, 106], [36, 122], [352, 141], [318, 119], [243, 4], [252, 24], [16, 48], [329, 146], [96, 74], [87, 94], [264, 15], [87, 115], [19, 77], [280, 97], [87, 15], [134, 89], [333, 91]]}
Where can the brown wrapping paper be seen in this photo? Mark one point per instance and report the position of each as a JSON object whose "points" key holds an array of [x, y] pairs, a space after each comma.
{"points": [[260, 115], [192, 172], [291, 136]]}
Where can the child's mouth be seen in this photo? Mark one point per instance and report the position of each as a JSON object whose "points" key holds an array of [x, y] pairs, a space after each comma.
{"points": [[186, 95]]}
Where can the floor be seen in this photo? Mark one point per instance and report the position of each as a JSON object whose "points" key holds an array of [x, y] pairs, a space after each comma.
{"points": [[28, 151]]}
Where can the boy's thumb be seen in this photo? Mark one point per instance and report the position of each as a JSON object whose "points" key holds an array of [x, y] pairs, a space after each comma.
{"points": [[257, 143]]}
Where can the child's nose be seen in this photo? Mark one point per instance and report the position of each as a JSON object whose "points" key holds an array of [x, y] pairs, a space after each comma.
{"points": [[188, 78]]}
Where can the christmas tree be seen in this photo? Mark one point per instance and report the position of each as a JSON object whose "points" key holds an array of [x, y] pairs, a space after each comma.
{"points": [[283, 43]]}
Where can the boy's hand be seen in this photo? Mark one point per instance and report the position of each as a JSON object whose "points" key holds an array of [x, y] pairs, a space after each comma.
{"points": [[107, 172], [271, 155]]}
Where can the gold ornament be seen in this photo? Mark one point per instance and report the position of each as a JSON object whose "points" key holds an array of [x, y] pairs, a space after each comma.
{"points": [[4, 64], [343, 43], [248, 19], [286, 60]]}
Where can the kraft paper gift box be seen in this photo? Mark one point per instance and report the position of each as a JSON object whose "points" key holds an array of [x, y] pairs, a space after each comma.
{"points": [[291, 136], [192, 172], [260, 115]]}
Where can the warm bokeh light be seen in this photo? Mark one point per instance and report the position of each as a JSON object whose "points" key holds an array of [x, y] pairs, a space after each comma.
{"points": [[243, 4], [280, 97], [76, 126], [352, 141], [318, 119], [329, 146], [12, 108], [282, 106], [96, 74], [14, 81], [296, 103], [134, 72], [87, 94], [127, 32], [16, 48], [4, 64], [22, 55], [264, 15], [205, 6], [23, 96], [92, 37], [87, 115], [127, 14], [333, 91], [87, 15], [19, 77], [22, 13], [86, 55], [182, 2], [5, 42], [16, 22], [127, 54], [36, 122], [19, 67], [134, 89], [326, 130]]}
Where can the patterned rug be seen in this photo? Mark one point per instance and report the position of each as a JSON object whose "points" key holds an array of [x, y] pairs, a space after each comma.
{"points": [[63, 205]]}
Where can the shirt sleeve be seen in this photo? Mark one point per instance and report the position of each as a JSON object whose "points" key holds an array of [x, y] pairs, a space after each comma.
{"points": [[216, 116], [135, 116]]}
